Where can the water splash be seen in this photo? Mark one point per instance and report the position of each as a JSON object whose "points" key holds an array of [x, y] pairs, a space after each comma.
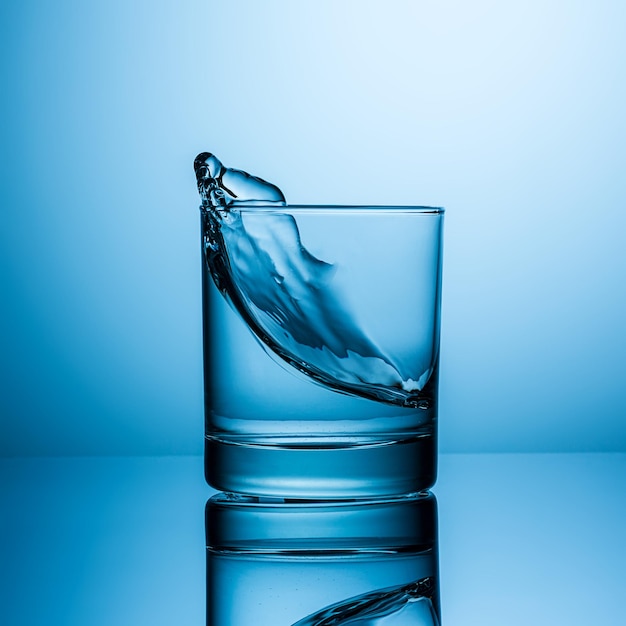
{"points": [[286, 295], [220, 186], [407, 605]]}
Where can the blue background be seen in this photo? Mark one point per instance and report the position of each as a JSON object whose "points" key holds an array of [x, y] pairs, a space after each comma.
{"points": [[511, 115]]}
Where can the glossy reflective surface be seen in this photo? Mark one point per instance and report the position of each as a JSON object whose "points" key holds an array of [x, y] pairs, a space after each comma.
{"points": [[279, 562], [522, 539]]}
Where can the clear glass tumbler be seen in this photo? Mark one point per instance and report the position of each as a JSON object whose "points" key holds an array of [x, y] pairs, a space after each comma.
{"points": [[321, 349], [286, 562]]}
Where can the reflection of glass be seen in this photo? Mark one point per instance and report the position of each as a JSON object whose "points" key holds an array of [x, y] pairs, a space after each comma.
{"points": [[282, 562], [321, 343]]}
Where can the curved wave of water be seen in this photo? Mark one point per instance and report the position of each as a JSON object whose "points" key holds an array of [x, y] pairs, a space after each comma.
{"points": [[286, 295]]}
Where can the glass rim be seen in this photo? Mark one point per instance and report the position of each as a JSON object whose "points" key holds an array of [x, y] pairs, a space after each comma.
{"points": [[338, 208]]}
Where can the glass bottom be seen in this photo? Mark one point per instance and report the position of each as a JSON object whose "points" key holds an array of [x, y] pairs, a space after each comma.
{"points": [[324, 468]]}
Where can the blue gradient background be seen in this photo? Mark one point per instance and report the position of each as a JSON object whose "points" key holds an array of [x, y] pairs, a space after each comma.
{"points": [[510, 115]]}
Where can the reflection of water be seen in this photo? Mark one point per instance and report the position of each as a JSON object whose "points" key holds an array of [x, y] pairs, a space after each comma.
{"points": [[280, 562], [406, 604]]}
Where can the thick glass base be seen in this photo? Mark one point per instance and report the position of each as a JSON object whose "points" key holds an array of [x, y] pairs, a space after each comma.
{"points": [[322, 468]]}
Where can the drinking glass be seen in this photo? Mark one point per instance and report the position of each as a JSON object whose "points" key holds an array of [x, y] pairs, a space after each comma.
{"points": [[321, 349]]}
